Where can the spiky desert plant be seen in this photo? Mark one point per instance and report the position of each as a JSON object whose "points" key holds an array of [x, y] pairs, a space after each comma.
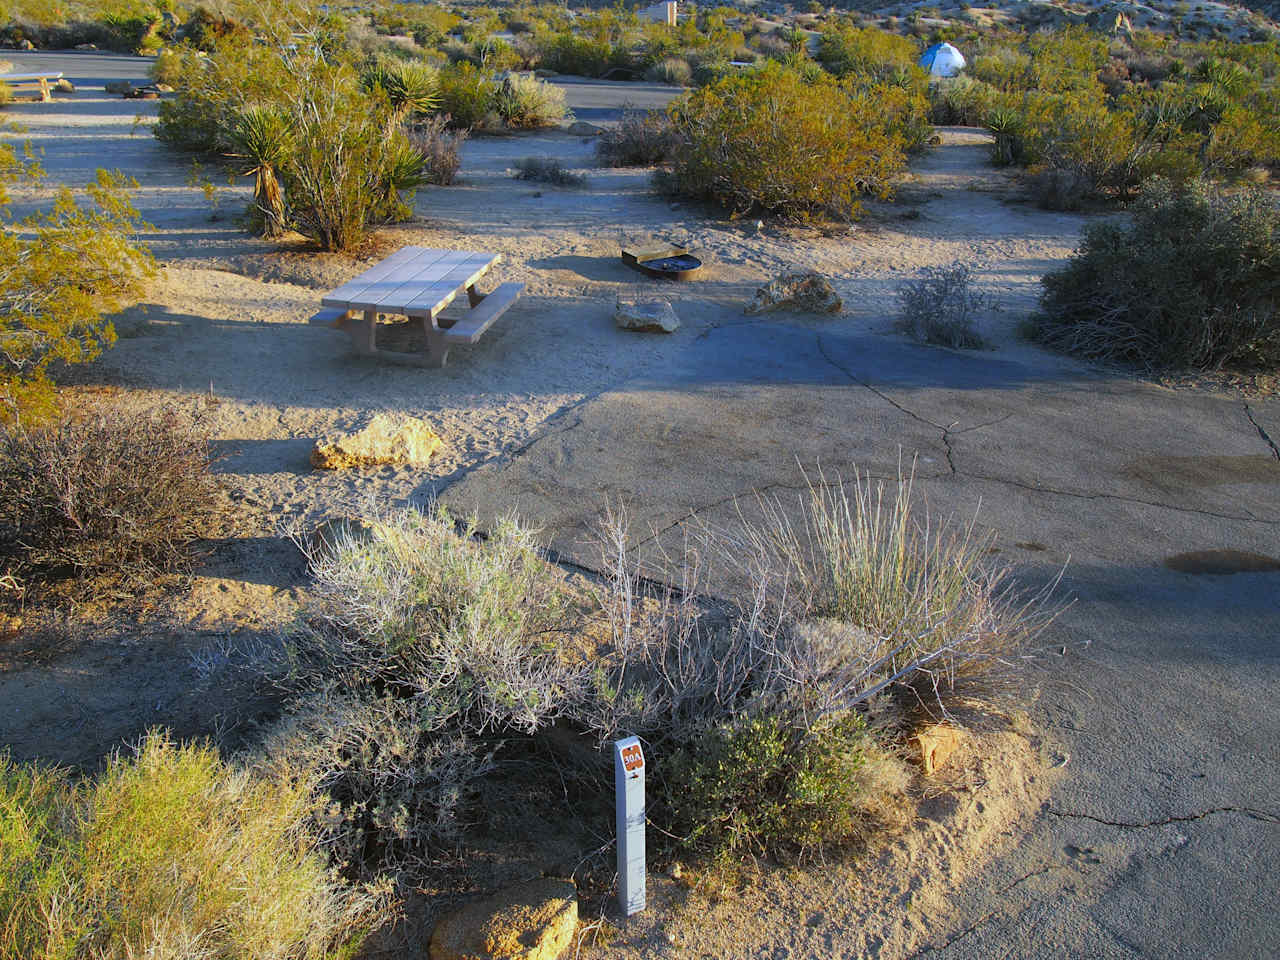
{"points": [[264, 141], [409, 87]]}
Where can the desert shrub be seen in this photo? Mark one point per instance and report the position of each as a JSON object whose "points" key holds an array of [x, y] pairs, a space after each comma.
{"points": [[548, 170], [770, 141], [858, 599], [941, 306], [108, 493], [580, 54], [439, 148], [525, 102], [1189, 282], [643, 138], [324, 141], [865, 52], [168, 853], [421, 646], [749, 787], [61, 272], [672, 70], [467, 95]]}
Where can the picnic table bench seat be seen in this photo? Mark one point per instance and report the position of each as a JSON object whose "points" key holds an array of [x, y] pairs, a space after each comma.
{"points": [[40, 81], [480, 318]]}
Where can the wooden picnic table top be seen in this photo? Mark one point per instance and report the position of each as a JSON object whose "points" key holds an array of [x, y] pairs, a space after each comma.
{"points": [[50, 75], [414, 281]]}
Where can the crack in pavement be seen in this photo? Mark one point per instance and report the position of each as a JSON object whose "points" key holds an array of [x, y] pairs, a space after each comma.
{"points": [[1116, 496], [946, 439], [1248, 412], [1263, 815]]}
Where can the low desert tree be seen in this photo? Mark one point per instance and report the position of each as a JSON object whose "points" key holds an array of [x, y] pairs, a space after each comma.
{"points": [[62, 270]]}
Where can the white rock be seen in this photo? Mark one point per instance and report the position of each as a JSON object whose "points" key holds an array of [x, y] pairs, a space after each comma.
{"points": [[647, 315], [383, 438]]}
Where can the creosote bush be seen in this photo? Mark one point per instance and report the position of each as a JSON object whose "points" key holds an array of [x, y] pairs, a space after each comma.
{"points": [[111, 493], [772, 141], [439, 148], [61, 271], [941, 306], [1192, 281], [170, 853]]}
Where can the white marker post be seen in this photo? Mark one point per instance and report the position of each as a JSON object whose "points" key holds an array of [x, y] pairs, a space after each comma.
{"points": [[628, 780]]}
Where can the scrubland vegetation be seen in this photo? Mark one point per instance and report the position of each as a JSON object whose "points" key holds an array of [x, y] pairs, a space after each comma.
{"points": [[430, 659]]}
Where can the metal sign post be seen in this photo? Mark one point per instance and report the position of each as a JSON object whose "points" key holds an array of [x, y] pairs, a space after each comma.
{"points": [[628, 780]]}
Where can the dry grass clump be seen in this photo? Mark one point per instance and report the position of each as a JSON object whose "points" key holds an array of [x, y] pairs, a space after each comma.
{"points": [[644, 138], [548, 170], [439, 147], [111, 493], [941, 306], [172, 854]]}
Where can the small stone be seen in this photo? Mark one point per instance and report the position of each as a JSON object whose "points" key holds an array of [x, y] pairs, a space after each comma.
{"points": [[64, 86], [86, 46], [27, 45], [810, 292], [580, 128], [646, 315], [937, 743], [383, 438], [530, 921], [163, 88]]}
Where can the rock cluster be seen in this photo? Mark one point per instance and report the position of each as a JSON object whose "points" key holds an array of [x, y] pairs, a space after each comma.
{"points": [[810, 292]]}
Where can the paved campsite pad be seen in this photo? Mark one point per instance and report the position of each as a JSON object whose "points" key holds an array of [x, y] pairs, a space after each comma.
{"points": [[1161, 838]]}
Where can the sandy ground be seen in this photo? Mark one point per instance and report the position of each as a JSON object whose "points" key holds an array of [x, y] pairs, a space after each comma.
{"points": [[555, 411]]}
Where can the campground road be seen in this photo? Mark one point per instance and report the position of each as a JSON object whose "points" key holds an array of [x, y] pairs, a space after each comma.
{"points": [[591, 100]]}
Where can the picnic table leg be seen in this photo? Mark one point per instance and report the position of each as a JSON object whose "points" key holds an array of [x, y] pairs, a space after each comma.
{"points": [[45, 96], [437, 352], [474, 297]]}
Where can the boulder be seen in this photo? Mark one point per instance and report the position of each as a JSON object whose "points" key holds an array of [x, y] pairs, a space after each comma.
{"points": [[122, 87], [530, 921], [86, 46], [64, 86], [810, 292], [384, 438], [646, 315], [580, 128], [937, 743]]}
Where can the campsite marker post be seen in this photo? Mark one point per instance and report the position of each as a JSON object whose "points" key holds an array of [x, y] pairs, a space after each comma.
{"points": [[628, 780]]}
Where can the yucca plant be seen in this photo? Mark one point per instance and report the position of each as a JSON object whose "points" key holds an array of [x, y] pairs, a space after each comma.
{"points": [[409, 87], [1006, 124], [404, 171], [263, 138]]}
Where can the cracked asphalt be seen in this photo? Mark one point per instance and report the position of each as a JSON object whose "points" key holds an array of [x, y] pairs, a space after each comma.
{"points": [[1159, 697]]}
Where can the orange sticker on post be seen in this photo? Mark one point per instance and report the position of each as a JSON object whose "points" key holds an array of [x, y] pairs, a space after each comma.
{"points": [[632, 758]]}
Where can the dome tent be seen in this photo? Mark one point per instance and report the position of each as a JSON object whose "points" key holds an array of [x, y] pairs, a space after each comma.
{"points": [[942, 60]]}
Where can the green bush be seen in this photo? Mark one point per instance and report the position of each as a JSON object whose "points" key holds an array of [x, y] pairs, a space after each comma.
{"points": [[756, 787], [673, 70], [107, 494], [770, 141], [526, 103], [171, 853], [1192, 281], [61, 271], [548, 170], [325, 142], [467, 95]]}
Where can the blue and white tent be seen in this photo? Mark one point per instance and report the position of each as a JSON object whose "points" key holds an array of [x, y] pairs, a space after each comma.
{"points": [[942, 60]]}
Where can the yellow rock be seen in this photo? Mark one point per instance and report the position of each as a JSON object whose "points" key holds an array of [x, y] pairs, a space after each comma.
{"points": [[530, 921], [382, 439], [937, 743]]}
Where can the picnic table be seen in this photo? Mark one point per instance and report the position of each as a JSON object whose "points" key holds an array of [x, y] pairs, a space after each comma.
{"points": [[38, 81], [419, 283]]}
